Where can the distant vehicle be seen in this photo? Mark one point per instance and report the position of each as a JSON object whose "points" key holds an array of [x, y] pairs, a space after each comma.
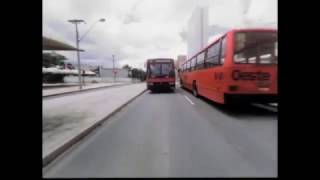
{"points": [[240, 66], [160, 74]]}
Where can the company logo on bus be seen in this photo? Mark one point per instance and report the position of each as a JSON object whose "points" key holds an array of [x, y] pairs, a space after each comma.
{"points": [[261, 76]]}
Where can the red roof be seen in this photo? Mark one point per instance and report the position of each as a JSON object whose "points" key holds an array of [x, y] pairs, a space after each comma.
{"points": [[234, 30]]}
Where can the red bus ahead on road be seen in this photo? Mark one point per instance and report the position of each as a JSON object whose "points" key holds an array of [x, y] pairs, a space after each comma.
{"points": [[240, 66], [160, 73]]}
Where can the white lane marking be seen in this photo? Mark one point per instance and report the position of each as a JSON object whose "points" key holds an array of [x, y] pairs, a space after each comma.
{"points": [[189, 100]]}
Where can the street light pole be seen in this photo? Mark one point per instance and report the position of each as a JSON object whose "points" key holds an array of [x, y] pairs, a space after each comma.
{"points": [[100, 20], [114, 72], [76, 22], [78, 57]]}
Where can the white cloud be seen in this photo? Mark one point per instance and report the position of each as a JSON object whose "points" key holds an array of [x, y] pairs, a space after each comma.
{"points": [[134, 29]]}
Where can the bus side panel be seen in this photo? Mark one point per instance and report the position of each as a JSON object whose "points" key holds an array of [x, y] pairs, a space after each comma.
{"points": [[200, 80], [210, 84], [251, 86], [188, 80], [185, 79], [213, 80]]}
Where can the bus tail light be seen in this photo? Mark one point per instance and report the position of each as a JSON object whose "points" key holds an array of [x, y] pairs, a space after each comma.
{"points": [[233, 88]]}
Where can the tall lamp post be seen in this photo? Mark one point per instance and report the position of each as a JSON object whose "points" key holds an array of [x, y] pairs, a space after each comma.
{"points": [[113, 69], [76, 22]]}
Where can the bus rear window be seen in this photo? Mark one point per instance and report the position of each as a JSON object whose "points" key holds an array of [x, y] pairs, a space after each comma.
{"points": [[166, 68], [161, 69], [255, 48], [155, 69]]}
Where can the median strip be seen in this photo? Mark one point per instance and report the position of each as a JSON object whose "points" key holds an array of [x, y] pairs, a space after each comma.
{"points": [[82, 90], [107, 103]]}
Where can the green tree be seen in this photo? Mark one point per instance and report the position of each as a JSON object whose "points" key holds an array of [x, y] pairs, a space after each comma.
{"points": [[126, 67], [52, 59], [139, 74]]}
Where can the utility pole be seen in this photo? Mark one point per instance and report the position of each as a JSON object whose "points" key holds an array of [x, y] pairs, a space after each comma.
{"points": [[76, 22], [114, 72]]}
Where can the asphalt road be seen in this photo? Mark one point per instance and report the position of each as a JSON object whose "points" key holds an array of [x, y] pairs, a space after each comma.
{"points": [[176, 135]]}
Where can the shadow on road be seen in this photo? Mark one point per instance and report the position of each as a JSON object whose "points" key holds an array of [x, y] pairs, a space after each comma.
{"points": [[241, 110], [162, 91]]}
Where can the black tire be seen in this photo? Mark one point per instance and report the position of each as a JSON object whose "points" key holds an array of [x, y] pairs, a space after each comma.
{"points": [[181, 83], [173, 89], [151, 90], [194, 89]]}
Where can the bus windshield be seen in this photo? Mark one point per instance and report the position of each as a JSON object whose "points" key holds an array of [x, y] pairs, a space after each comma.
{"points": [[166, 68], [256, 48], [161, 69]]}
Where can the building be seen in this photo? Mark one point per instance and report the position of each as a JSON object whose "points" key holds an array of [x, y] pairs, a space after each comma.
{"points": [[210, 20], [109, 72], [180, 60]]}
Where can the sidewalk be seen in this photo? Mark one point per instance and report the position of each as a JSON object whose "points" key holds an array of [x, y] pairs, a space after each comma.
{"points": [[65, 118], [73, 88]]}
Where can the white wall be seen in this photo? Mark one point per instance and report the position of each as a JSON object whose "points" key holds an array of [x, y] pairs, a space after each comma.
{"points": [[107, 72], [74, 79]]}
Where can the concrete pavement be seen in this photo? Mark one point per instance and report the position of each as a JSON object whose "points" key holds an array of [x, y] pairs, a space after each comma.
{"points": [[176, 135], [65, 117]]}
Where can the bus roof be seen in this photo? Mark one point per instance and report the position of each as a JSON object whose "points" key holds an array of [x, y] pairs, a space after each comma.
{"points": [[160, 60], [254, 29], [232, 31]]}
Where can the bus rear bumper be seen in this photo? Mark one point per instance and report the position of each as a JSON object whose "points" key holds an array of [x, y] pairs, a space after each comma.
{"points": [[250, 98], [157, 85]]}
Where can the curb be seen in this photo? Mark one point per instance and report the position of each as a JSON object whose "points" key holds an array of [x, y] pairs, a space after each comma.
{"points": [[60, 86], [77, 91], [53, 155]]}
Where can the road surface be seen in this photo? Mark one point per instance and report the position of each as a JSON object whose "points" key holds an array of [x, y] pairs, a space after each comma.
{"points": [[176, 135]]}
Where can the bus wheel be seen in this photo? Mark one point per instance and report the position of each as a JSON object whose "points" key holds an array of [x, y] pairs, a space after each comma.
{"points": [[173, 89], [181, 83], [194, 90]]}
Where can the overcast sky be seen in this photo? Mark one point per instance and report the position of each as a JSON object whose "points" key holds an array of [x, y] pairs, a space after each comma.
{"points": [[134, 30]]}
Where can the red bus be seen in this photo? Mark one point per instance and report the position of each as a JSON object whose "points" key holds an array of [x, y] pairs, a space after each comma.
{"points": [[240, 66], [160, 73]]}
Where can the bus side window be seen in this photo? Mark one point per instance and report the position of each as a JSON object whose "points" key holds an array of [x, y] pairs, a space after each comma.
{"points": [[200, 60], [186, 68], [193, 63], [213, 55], [189, 65], [223, 50]]}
